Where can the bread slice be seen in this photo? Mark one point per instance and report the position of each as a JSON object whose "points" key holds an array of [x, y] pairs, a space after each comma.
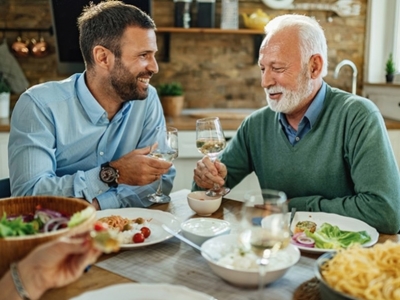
{"points": [[305, 225]]}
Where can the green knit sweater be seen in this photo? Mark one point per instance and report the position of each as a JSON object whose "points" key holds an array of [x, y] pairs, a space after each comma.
{"points": [[344, 165]]}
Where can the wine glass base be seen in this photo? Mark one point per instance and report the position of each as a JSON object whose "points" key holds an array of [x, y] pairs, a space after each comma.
{"points": [[221, 192], [158, 198]]}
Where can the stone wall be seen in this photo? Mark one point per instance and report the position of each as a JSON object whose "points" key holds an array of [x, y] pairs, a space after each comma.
{"points": [[216, 70]]}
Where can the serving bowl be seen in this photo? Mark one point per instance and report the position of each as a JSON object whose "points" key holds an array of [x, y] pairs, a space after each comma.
{"points": [[326, 291], [223, 245], [202, 204], [199, 230], [15, 248]]}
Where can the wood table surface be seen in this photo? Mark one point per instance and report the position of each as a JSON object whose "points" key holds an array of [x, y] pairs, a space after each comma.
{"points": [[97, 277]]}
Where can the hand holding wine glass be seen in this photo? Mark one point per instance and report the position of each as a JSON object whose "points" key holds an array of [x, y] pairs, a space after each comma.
{"points": [[210, 141], [264, 227], [165, 148]]}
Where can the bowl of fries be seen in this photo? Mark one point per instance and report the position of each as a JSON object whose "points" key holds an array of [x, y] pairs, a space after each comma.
{"points": [[360, 273]]}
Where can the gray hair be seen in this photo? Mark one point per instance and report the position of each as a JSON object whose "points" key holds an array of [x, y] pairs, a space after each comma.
{"points": [[312, 37]]}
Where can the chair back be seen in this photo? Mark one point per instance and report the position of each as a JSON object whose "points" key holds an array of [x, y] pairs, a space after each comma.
{"points": [[5, 189]]}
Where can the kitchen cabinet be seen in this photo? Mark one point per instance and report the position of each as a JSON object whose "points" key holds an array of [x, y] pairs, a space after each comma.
{"points": [[4, 154], [386, 97], [394, 136]]}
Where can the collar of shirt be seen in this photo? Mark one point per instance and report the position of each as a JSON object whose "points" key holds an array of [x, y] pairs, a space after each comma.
{"points": [[93, 109], [308, 119]]}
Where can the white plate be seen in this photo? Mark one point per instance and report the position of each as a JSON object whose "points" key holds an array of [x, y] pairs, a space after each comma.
{"points": [[344, 223], [278, 4], [158, 217], [139, 291]]}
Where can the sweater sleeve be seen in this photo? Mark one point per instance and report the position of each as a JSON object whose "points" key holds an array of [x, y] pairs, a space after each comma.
{"points": [[373, 169]]}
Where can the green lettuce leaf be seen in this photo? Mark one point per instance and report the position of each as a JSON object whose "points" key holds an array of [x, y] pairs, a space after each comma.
{"points": [[328, 236], [80, 216]]}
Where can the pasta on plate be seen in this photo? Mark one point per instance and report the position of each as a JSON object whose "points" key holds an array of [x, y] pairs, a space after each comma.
{"points": [[366, 273]]}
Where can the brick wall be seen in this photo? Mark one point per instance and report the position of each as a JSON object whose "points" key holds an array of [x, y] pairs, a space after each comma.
{"points": [[216, 70]]}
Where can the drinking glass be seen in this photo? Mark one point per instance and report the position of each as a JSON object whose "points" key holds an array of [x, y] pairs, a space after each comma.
{"points": [[264, 227], [165, 148], [210, 141]]}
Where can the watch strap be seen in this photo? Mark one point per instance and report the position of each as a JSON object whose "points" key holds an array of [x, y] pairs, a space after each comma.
{"points": [[114, 181]]}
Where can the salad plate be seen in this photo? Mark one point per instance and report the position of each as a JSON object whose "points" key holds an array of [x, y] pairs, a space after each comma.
{"points": [[155, 220], [344, 223], [127, 291]]}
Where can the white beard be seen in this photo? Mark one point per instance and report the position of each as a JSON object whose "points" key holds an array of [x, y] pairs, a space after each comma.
{"points": [[290, 100]]}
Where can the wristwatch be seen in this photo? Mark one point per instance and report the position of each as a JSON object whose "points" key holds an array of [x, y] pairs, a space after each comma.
{"points": [[109, 175]]}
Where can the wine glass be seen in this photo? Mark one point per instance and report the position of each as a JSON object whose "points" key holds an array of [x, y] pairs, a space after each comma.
{"points": [[165, 148], [264, 227], [210, 141]]}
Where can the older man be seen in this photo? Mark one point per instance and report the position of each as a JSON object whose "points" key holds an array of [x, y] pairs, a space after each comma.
{"points": [[328, 150]]}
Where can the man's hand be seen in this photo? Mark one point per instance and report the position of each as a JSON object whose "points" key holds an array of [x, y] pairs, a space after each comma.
{"points": [[208, 173], [136, 168]]}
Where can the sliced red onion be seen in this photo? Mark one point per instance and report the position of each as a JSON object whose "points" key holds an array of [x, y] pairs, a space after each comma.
{"points": [[54, 223], [301, 239]]}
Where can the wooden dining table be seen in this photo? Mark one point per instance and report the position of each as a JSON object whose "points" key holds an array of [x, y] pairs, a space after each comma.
{"points": [[98, 277]]}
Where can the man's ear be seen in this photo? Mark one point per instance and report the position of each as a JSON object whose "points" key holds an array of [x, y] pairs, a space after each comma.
{"points": [[102, 57], [315, 65]]}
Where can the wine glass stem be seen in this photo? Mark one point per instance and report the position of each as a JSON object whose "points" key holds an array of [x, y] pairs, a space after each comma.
{"points": [[262, 269], [159, 189]]}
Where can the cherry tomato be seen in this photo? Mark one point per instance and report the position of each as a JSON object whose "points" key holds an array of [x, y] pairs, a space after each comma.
{"points": [[145, 231], [100, 226], [138, 237]]}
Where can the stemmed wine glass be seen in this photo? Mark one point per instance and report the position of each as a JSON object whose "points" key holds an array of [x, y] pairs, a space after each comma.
{"points": [[210, 141], [165, 148], [264, 227]]}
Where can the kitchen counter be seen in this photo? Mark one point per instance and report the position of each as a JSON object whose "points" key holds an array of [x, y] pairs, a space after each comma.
{"points": [[187, 122]]}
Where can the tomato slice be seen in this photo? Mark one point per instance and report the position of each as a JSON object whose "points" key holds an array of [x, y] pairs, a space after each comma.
{"points": [[145, 231], [138, 237], [100, 226]]}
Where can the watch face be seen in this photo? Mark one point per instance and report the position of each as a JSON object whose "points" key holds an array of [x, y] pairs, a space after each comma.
{"points": [[108, 174]]}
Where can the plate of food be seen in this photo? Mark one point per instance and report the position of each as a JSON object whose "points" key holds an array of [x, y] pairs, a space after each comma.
{"points": [[152, 291], [139, 227], [324, 232]]}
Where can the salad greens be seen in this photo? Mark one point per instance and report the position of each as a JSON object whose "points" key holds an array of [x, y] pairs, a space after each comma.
{"points": [[328, 236], [16, 227]]}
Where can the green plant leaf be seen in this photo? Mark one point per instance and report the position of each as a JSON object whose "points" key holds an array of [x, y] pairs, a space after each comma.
{"points": [[170, 89]]}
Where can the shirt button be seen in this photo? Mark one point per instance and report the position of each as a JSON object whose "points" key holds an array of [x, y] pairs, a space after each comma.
{"points": [[297, 139], [101, 153]]}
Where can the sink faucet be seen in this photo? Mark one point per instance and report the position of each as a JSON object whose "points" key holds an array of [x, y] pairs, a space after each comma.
{"points": [[355, 72]]}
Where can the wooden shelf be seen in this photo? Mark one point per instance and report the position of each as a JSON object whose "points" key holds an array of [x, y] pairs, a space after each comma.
{"points": [[167, 31], [208, 30]]}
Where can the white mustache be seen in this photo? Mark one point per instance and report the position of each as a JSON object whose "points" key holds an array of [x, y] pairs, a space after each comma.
{"points": [[274, 90]]}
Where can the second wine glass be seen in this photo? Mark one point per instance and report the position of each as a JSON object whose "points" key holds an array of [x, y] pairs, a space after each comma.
{"points": [[210, 141], [264, 227], [165, 148]]}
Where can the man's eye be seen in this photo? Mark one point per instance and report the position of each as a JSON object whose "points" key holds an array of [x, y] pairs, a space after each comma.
{"points": [[278, 69]]}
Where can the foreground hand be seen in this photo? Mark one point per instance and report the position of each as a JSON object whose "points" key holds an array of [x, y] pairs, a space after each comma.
{"points": [[136, 168], [208, 173], [56, 264]]}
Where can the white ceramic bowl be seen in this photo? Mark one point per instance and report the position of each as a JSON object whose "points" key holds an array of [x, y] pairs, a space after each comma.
{"points": [[198, 230], [202, 204], [223, 245]]}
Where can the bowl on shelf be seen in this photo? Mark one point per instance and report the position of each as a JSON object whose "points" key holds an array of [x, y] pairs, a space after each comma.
{"points": [[199, 230], [15, 248], [202, 204], [241, 270]]}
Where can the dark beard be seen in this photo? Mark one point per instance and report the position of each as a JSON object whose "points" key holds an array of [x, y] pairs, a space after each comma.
{"points": [[125, 84]]}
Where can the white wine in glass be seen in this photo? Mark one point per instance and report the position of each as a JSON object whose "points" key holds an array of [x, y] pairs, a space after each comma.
{"points": [[166, 149], [210, 141], [264, 227]]}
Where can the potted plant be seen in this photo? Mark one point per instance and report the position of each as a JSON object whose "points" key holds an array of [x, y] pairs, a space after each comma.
{"points": [[5, 91], [390, 68], [172, 98]]}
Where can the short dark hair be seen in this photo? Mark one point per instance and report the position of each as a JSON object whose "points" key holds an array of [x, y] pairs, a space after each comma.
{"points": [[105, 23]]}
